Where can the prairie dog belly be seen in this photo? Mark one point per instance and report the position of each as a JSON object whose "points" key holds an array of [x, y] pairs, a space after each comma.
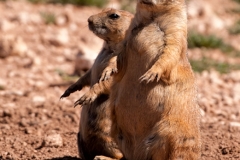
{"points": [[144, 100]]}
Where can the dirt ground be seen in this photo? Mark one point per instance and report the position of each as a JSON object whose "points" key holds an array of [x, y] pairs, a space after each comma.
{"points": [[37, 59]]}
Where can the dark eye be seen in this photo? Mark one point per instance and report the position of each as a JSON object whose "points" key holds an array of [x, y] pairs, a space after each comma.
{"points": [[147, 2], [114, 16]]}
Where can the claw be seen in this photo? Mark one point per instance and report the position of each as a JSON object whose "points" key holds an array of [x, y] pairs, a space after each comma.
{"points": [[114, 70], [108, 74], [144, 78], [158, 77], [103, 77], [84, 100], [150, 76], [77, 103]]}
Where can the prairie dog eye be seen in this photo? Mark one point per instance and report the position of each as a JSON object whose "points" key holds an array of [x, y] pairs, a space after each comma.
{"points": [[149, 2], [114, 16]]}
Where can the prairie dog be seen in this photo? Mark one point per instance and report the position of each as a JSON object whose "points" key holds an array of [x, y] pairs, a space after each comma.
{"points": [[154, 114], [94, 131]]}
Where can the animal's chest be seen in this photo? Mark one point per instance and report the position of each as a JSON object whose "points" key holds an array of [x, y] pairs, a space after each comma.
{"points": [[147, 39], [143, 48]]}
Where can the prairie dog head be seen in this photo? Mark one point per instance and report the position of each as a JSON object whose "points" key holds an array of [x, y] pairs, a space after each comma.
{"points": [[147, 10], [110, 24]]}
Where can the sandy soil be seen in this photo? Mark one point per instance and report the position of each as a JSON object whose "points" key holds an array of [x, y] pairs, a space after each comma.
{"points": [[37, 57]]}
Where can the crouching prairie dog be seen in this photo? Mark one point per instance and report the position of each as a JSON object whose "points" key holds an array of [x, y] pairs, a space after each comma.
{"points": [[94, 132], [154, 113]]}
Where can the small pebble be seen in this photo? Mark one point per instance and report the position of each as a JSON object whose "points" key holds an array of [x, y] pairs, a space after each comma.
{"points": [[53, 140]]}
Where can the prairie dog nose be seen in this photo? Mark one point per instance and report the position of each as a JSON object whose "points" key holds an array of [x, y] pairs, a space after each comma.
{"points": [[90, 20]]}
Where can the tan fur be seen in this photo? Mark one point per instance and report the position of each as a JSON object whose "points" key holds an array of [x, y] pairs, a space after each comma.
{"points": [[94, 135], [155, 113]]}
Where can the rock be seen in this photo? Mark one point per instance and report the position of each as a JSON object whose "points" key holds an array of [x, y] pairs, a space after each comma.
{"points": [[9, 105], [5, 48], [8, 155], [234, 75], [83, 62], [233, 117], [73, 27], [85, 59], [28, 130], [236, 89], [225, 151], [195, 9], [203, 17], [37, 61], [60, 59], [60, 38], [228, 100], [18, 93], [63, 36], [61, 20], [6, 25], [214, 77], [19, 47], [68, 54], [23, 17], [117, 5], [53, 140], [38, 101], [202, 112], [5, 127], [3, 84], [30, 29], [235, 124], [36, 19]]}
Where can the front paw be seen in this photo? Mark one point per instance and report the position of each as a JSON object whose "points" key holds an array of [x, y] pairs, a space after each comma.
{"points": [[71, 89], [107, 73], [86, 99], [66, 94], [151, 75]]}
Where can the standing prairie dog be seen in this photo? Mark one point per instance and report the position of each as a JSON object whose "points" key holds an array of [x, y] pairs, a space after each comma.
{"points": [[94, 132], [154, 114]]}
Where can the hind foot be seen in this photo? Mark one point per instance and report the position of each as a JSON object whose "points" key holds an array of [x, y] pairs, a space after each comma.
{"points": [[103, 158]]}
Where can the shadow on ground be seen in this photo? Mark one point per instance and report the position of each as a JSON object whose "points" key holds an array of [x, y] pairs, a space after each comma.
{"points": [[65, 158]]}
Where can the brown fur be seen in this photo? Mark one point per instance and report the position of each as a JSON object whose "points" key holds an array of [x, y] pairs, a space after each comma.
{"points": [[158, 120], [94, 135]]}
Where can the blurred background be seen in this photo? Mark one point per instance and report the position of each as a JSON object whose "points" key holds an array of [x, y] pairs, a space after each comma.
{"points": [[45, 46]]}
